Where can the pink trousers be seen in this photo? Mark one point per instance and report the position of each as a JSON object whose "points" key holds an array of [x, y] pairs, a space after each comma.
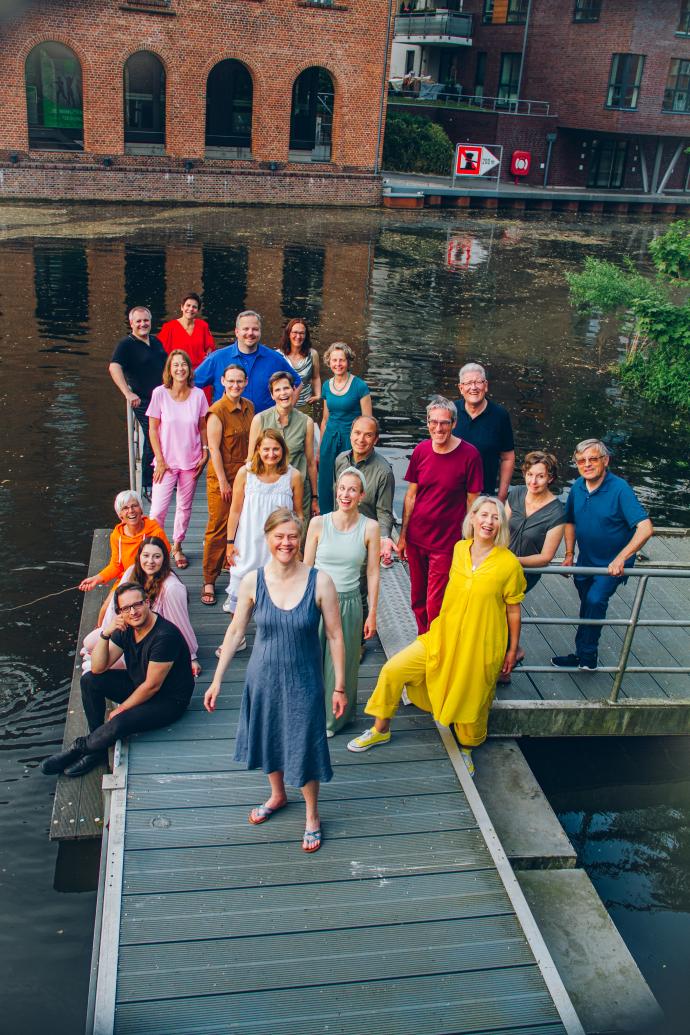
{"points": [[161, 494]]}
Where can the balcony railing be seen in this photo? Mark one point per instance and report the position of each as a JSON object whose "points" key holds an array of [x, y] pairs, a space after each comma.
{"points": [[433, 27], [437, 94]]}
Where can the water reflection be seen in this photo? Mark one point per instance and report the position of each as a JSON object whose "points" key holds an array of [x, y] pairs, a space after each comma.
{"points": [[224, 287]]}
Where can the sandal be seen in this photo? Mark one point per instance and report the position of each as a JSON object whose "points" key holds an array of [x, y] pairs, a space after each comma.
{"points": [[180, 559], [311, 842], [208, 596], [263, 812], [242, 645]]}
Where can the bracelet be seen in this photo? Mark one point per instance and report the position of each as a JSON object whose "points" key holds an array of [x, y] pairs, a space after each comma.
{"points": [[338, 691], [204, 449], [104, 637], [230, 541]]}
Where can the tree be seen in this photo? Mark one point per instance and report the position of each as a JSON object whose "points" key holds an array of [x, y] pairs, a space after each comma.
{"points": [[414, 144], [657, 361]]}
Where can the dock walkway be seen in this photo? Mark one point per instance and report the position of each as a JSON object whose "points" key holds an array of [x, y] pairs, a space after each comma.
{"points": [[409, 920]]}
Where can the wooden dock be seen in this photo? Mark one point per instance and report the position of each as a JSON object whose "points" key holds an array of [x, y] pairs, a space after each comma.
{"points": [[409, 920]]}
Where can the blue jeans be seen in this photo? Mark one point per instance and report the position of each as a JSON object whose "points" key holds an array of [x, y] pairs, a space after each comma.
{"points": [[594, 591]]}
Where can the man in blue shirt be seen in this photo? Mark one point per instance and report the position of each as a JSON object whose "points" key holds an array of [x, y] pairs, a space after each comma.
{"points": [[610, 525], [258, 361]]}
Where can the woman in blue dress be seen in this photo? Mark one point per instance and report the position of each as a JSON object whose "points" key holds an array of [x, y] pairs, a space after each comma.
{"points": [[282, 724], [345, 397]]}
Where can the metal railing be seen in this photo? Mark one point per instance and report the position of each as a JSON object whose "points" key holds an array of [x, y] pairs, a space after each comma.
{"points": [[133, 450], [434, 26], [631, 624], [434, 93]]}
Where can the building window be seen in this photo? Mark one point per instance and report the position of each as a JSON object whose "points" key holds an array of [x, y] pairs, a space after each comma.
{"points": [[587, 10], [677, 92], [229, 94], [311, 119], [479, 74], [684, 20], [508, 79], [505, 12], [624, 81], [607, 164], [144, 90], [54, 106]]}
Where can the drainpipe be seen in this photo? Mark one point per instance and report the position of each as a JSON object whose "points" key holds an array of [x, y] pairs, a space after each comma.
{"points": [[522, 55], [384, 86]]}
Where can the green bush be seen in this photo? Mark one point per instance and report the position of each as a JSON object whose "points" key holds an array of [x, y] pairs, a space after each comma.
{"points": [[413, 144]]}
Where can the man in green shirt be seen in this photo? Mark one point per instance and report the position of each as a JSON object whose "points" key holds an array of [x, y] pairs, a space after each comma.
{"points": [[378, 499]]}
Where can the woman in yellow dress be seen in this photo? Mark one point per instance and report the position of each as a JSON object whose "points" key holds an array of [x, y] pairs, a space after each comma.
{"points": [[451, 670]]}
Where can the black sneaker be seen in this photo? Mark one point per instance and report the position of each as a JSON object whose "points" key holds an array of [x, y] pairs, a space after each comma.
{"points": [[566, 661], [588, 666]]}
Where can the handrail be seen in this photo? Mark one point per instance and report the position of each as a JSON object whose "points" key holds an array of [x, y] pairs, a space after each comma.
{"points": [[643, 573], [428, 94], [133, 450], [433, 24]]}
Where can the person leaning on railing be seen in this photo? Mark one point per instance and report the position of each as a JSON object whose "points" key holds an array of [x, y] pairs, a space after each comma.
{"points": [[609, 524]]}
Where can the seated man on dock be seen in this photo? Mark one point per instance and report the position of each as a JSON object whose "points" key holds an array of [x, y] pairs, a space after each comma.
{"points": [[608, 522], [153, 691]]}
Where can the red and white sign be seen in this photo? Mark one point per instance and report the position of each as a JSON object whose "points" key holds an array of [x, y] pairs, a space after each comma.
{"points": [[520, 163], [464, 252], [474, 160]]}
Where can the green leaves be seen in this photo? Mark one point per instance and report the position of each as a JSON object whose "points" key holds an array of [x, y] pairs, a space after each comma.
{"points": [[671, 251], [414, 144]]}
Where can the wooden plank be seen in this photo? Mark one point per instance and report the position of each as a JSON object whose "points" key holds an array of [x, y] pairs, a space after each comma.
{"points": [[78, 803]]}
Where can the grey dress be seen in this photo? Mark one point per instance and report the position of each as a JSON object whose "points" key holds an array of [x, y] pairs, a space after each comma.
{"points": [[282, 723], [527, 534]]}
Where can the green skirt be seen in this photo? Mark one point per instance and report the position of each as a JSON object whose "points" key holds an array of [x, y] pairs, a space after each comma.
{"points": [[352, 619]]}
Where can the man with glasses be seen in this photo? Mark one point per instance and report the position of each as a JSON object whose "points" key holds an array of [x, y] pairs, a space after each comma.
{"points": [[608, 522], [487, 426], [445, 477], [152, 691]]}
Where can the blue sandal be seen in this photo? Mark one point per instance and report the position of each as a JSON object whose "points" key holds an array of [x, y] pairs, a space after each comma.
{"points": [[263, 812], [311, 842]]}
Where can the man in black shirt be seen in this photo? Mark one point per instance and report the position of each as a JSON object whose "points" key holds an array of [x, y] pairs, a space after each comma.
{"points": [[486, 426], [137, 368], [154, 690]]}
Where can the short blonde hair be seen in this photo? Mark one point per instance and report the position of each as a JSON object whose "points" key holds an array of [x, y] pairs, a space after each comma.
{"points": [[339, 346], [167, 376], [281, 516], [257, 465], [503, 534]]}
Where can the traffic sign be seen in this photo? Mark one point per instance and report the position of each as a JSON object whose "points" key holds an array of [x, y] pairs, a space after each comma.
{"points": [[474, 160]]}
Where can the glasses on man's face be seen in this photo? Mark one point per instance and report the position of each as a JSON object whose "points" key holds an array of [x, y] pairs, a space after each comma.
{"points": [[472, 384], [439, 423], [128, 609], [585, 461]]}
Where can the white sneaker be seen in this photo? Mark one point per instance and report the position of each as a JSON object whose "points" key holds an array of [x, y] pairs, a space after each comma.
{"points": [[227, 607], [242, 646]]}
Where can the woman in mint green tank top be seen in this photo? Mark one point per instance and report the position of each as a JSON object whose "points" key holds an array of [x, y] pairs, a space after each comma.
{"points": [[343, 544]]}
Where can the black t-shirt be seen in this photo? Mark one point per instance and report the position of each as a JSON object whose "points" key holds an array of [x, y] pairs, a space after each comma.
{"points": [[491, 433], [142, 364], [164, 642]]}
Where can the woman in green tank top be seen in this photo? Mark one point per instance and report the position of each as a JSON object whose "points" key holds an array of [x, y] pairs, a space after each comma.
{"points": [[298, 431], [342, 544]]}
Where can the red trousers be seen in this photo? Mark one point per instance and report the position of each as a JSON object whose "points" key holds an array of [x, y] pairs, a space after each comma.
{"points": [[429, 573]]}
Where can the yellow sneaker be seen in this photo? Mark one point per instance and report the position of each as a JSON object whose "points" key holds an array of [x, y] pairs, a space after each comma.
{"points": [[369, 739]]}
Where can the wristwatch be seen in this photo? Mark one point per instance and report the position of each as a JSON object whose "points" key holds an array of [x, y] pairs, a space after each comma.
{"points": [[104, 636]]}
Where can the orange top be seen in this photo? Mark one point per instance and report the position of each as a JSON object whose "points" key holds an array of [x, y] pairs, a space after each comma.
{"points": [[123, 548]]}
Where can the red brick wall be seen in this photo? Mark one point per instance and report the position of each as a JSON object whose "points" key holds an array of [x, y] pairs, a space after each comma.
{"points": [[275, 39]]}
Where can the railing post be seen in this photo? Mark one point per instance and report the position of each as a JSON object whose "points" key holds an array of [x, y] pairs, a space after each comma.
{"points": [[131, 449], [627, 642]]}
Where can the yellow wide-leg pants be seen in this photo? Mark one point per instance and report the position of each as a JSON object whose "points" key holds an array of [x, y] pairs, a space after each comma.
{"points": [[407, 668]]}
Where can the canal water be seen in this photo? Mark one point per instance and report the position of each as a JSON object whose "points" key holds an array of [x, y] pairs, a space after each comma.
{"points": [[417, 295]]}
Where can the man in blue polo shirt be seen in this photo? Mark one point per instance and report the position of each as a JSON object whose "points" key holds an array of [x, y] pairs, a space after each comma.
{"points": [[608, 522], [258, 361], [486, 425]]}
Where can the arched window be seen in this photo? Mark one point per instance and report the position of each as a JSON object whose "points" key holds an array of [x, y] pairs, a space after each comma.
{"points": [[311, 122], [144, 104], [54, 98], [229, 111]]}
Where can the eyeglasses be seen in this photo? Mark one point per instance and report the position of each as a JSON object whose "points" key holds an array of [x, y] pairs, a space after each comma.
{"points": [[584, 460], [472, 384], [128, 609], [439, 423]]}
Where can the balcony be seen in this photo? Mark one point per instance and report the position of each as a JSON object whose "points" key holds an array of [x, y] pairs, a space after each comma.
{"points": [[439, 28], [421, 92]]}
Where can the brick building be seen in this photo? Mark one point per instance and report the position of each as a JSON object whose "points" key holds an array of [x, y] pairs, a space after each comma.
{"points": [[193, 100], [598, 90]]}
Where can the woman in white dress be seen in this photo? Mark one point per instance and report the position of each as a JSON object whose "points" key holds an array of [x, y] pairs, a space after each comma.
{"points": [[265, 484]]}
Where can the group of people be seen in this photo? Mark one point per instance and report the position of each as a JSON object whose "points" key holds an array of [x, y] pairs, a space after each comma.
{"points": [[303, 527]]}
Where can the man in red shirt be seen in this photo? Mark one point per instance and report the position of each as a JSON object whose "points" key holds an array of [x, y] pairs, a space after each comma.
{"points": [[445, 476]]}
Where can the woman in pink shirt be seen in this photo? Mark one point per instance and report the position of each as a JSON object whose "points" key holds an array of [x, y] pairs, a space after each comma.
{"points": [[177, 429]]}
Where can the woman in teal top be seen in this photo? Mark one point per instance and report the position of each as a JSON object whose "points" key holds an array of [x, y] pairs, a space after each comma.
{"points": [[340, 544], [344, 398]]}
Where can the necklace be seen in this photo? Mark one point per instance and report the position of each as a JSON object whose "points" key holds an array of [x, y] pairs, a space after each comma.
{"points": [[338, 390]]}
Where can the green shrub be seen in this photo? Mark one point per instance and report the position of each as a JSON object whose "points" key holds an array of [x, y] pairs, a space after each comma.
{"points": [[413, 144]]}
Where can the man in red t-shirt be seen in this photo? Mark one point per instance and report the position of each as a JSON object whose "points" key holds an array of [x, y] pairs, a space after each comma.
{"points": [[445, 476]]}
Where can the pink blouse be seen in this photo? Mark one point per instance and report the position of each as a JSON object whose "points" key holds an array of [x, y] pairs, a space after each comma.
{"points": [[179, 426]]}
